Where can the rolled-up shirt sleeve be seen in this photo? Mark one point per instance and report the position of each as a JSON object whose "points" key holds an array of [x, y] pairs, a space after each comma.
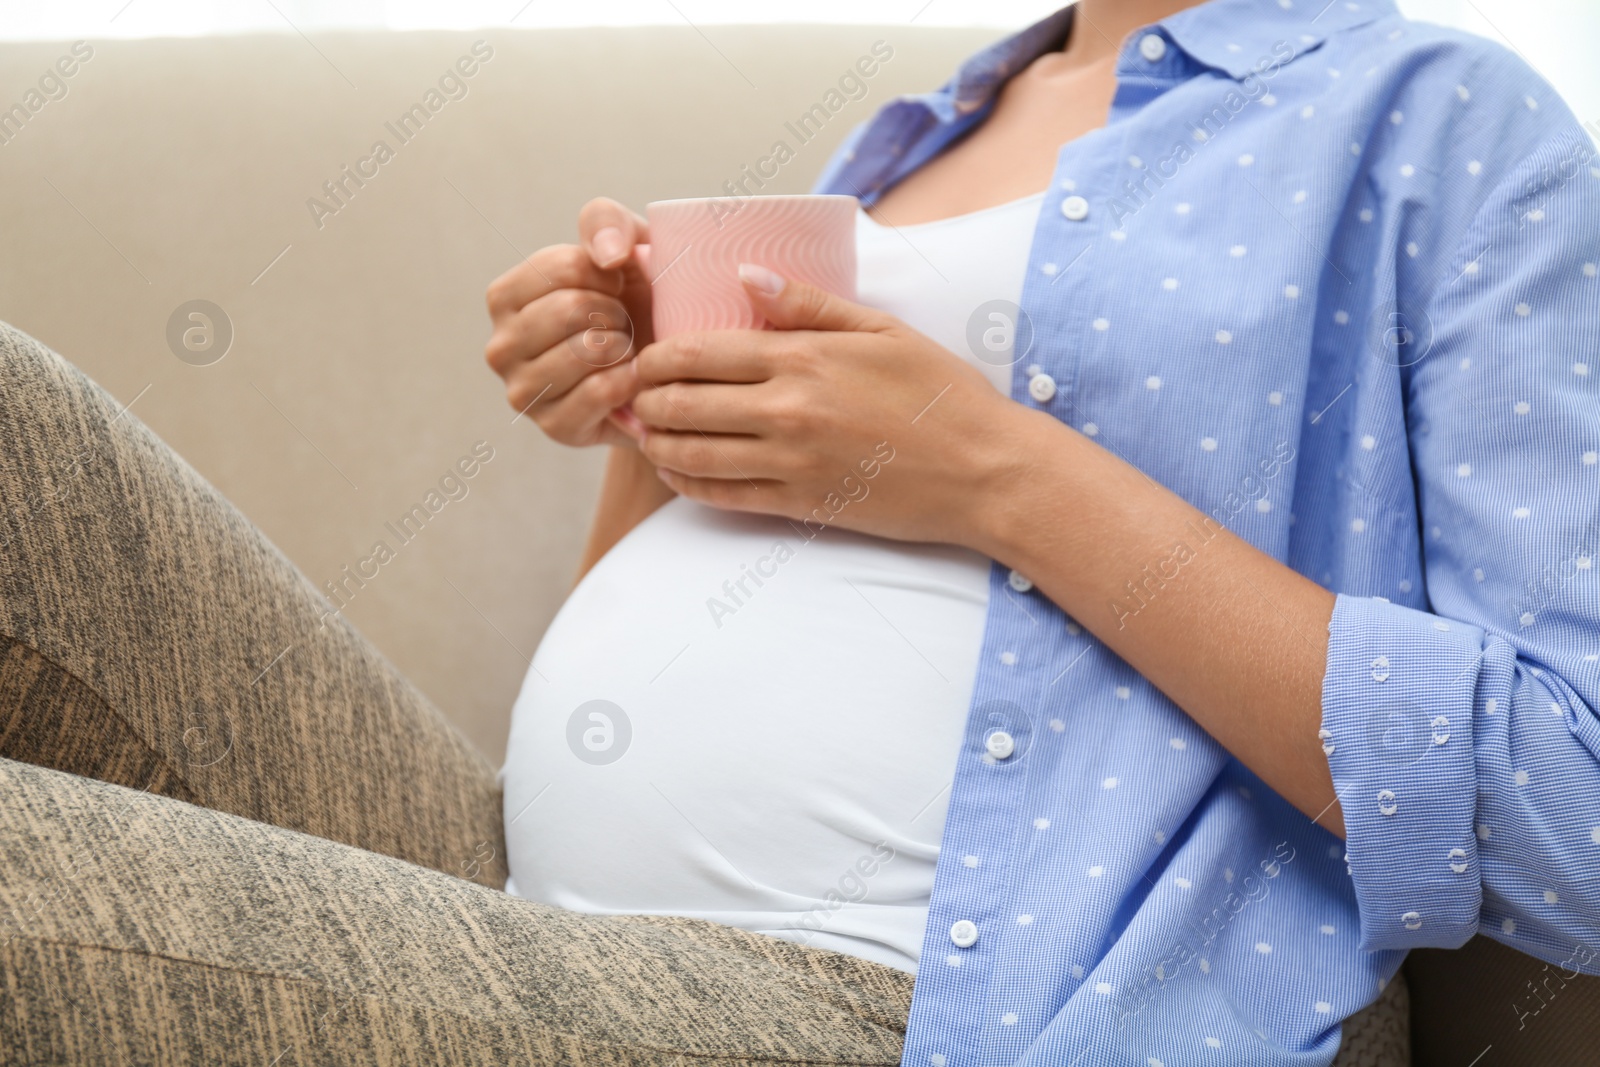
{"points": [[1464, 738]]}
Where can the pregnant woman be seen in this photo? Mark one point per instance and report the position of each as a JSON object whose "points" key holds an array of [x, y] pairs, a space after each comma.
{"points": [[1287, 471], [1164, 599]]}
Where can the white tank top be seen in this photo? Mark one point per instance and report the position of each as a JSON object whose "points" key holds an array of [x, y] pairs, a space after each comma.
{"points": [[733, 721]]}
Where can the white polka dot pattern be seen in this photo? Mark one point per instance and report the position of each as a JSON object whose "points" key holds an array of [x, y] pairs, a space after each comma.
{"points": [[1374, 360]]}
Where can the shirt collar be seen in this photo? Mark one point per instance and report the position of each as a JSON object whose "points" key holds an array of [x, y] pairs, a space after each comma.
{"points": [[1236, 35], [1228, 35]]}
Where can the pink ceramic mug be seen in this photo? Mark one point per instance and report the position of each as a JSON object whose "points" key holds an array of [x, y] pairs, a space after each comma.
{"points": [[696, 247]]}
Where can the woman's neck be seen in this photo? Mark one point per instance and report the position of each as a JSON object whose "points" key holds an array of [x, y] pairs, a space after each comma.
{"points": [[1099, 27]]}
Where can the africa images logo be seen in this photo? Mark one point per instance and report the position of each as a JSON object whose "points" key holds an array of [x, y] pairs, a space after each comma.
{"points": [[599, 732]]}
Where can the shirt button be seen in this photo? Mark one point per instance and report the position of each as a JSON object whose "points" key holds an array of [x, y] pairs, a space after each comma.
{"points": [[1152, 47], [1042, 387], [964, 933], [1019, 581], [1001, 744], [1075, 208]]}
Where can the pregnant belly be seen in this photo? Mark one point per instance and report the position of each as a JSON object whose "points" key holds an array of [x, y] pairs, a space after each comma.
{"points": [[734, 721]]}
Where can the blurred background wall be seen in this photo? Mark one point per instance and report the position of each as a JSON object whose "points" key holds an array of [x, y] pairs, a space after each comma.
{"points": [[1557, 37]]}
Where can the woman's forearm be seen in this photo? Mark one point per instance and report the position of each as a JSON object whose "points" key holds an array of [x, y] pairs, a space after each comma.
{"points": [[630, 492], [1231, 635]]}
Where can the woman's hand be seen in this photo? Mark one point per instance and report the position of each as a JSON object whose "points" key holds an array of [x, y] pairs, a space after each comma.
{"points": [[842, 415], [792, 422], [567, 322]]}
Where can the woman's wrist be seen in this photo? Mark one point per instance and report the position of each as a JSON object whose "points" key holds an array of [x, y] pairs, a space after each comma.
{"points": [[629, 494], [1023, 479]]}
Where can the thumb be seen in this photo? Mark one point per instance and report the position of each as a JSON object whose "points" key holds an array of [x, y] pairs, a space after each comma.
{"points": [[792, 305], [609, 232]]}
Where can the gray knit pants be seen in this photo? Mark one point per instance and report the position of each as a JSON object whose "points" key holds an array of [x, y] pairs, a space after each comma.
{"points": [[230, 835]]}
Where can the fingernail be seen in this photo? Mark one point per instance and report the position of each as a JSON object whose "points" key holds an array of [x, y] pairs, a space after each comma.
{"points": [[769, 282], [609, 246]]}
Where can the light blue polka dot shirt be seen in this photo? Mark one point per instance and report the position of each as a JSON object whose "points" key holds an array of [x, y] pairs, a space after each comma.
{"points": [[1331, 276]]}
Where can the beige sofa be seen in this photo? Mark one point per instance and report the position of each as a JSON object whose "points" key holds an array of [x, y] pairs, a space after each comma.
{"points": [[175, 170]]}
